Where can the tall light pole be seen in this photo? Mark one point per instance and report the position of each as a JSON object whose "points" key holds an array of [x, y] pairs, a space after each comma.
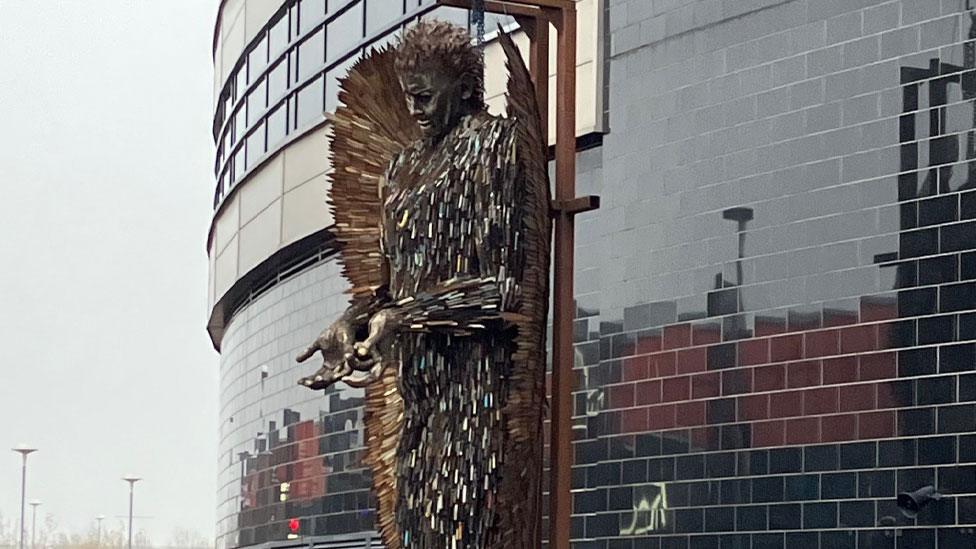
{"points": [[98, 536], [34, 504], [132, 480], [24, 450]]}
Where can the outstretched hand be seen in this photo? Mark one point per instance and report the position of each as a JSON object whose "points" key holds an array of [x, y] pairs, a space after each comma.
{"points": [[335, 343], [366, 354]]}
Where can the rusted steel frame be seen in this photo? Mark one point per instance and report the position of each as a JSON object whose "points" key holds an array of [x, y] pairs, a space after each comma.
{"points": [[536, 27], [561, 445]]}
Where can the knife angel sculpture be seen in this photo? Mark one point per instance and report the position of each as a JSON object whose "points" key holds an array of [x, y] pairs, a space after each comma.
{"points": [[442, 221]]}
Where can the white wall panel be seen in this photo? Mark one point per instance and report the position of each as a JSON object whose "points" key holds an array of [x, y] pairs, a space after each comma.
{"points": [[261, 189], [260, 238], [305, 210]]}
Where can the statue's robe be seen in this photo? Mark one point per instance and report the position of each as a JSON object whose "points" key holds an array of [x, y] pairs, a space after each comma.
{"points": [[451, 236], [455, 237]]}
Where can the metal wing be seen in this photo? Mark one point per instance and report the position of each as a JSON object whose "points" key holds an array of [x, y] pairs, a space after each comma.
{"points": [[369, 128], [527, 398]]}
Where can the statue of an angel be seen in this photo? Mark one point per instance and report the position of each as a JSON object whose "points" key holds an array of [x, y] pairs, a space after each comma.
{"points": [[442, 219]]}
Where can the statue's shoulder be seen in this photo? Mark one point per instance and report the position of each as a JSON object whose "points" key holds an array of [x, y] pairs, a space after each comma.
{"points": [[491, 128], [490, 122]]}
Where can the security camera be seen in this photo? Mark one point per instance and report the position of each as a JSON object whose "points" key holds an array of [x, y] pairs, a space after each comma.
{"points": [[911, 503]]}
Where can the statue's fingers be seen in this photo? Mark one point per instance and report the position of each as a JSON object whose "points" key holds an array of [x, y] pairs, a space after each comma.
{"points": [[307, 353]]}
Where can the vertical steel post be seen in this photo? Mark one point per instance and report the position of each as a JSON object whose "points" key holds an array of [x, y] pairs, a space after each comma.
{"points": [[132, 480], [131, 486], [561, 449], [98, 538], [34, 505], [23, 497], [24, 451]]}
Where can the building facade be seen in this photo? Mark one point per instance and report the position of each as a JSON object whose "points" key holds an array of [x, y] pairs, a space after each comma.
{"points": [[776, 304]]}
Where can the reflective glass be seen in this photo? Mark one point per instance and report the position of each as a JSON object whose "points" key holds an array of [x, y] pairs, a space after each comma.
{"points": [[240, 122], [256, 102], [278, 36], [493, 20], [310, 103], [258, 58], [311, 54], [225, 148], [310, 13], [255, 146], [458, 16], [240, 80], [239, 164], [332, 83], [277, 126], [380, 13], [345, 31], [277, 81]]}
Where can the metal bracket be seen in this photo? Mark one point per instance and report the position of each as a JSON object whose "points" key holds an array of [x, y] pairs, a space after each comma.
{"points": [[574, 206]]}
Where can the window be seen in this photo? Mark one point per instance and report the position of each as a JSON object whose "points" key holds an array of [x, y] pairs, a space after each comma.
{"points": [[332, 83], [239, 164], [278, 36], [227, 143], [257, 60], [345, 32], [277, 81], [310, 13], [240, 123], [226, 108], [241, 82], [255, 146], [492, 20], [310, 103], [380, 13], [457, 16], [256, 102], [311, 54], [277, 126]]}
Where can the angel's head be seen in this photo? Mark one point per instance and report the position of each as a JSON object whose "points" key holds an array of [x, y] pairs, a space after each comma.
{"points": [[442, 75]]}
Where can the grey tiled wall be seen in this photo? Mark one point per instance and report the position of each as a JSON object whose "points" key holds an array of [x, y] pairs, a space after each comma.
{"points": [[775, 328]]}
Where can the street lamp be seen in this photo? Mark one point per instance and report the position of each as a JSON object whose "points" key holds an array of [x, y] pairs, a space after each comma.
{"points": [[98, 537], [24, 450], [34, 504], [132, 480]]}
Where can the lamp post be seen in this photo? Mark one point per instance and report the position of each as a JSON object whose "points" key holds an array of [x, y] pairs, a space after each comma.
{"points": [[24, 450], [98, 536], [132, 480], [34, 504]]}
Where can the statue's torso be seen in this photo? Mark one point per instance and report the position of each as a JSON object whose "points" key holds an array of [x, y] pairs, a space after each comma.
{"points": [[433, 195], [452, 387]]}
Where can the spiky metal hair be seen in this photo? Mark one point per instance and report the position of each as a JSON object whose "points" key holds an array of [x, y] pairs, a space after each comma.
{"points": [[438, 45]]}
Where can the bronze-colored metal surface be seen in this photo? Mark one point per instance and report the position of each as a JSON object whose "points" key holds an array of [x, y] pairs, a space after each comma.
{"points": [[444, 236], [576, 205], [561, 449]]}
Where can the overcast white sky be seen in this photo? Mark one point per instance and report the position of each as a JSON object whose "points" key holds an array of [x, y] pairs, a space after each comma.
{"points": [[105, 186]]}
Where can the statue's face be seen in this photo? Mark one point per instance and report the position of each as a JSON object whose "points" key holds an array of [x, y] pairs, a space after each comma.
{"points": [[436, 101]]}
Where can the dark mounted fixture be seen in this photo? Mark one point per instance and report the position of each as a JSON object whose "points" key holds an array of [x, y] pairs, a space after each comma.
{"points": [[911, 502]]}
